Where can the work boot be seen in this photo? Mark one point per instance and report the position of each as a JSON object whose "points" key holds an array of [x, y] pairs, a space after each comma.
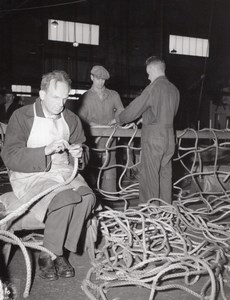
{"points": [[63, 267], [47, 267]]}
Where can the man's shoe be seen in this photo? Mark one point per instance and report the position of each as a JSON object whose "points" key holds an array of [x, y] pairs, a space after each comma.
{"points": [[47, 268], [63, 267]]}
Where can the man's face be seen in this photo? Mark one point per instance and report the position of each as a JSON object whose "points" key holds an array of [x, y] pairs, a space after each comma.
{"points": [[98, 83], [54, 99], [9, 98], [151, 71]]}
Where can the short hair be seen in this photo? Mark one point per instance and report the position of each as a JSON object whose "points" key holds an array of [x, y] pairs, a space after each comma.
{"points": [[157, 61], [57, 76], [8, 93]]}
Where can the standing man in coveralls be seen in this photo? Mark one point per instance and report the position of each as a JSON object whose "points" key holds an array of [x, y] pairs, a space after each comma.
{"points": [[41, 141], [158, 105], [99, 105]]}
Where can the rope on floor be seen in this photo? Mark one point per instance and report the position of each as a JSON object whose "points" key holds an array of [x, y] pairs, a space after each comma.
{"points": [[182, 246], [157, 247]]}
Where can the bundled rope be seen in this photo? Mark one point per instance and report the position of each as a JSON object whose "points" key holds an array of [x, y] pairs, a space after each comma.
{"points": [[9, 237], [153, 246]]}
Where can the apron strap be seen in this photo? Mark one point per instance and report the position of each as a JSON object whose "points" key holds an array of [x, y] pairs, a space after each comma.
{"points": [[35, 113]]}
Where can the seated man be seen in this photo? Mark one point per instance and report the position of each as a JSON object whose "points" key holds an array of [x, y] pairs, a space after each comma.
{"points": [[41, 140]]}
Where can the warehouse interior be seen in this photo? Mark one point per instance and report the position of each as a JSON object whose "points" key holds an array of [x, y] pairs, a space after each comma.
{"points": [[129, 32], [37, 37]]}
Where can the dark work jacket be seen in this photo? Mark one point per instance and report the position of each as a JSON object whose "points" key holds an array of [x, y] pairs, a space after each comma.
{"points": [[157, 105]]}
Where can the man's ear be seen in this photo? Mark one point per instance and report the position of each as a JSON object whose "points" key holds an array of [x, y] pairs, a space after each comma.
{"points": [[42, 94], [91, 77]]}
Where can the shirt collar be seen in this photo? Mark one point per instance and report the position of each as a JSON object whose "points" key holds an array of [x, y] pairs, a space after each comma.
{"points": [[92, 92]]}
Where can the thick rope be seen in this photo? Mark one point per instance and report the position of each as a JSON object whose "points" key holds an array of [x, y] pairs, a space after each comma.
{"points": [[152, 245], [142, 250]]}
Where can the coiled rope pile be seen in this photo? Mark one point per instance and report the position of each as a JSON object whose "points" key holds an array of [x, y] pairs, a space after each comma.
{"points": [[168, 246], [153, 246]]}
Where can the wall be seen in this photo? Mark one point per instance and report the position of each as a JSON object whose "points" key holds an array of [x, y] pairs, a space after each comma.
{"points": [[130, 31]]}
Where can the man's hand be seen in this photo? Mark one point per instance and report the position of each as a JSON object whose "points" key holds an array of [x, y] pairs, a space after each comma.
{"points": [[113, 122], [94, 124], [76, 150], [56, 147]]}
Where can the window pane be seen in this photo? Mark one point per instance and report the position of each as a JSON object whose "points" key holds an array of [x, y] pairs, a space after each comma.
{"points": [[192, 46], [188, 45], [70, 32], [86, 33], [172, 42], [205, 48], [179, 44], [79, 33], [95, 35], [73, 32], [199, 47]]}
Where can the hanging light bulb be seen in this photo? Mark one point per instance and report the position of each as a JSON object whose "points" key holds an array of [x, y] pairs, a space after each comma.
{"points": [[55, 23], [75, 44], [173, 51]]}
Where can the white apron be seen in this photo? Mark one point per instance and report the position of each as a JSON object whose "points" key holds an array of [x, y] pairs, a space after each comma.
{"points": [[27, 185]]}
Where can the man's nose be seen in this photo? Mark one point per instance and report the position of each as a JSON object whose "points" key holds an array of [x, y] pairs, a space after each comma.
{"points": [[62, 102]]}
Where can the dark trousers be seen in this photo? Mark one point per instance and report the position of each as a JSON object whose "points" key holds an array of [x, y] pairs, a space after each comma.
{"points": [[67, 213], [158, 146], [108, 176]]}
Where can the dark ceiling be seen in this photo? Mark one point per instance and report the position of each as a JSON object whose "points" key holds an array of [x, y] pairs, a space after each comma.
{"points": [[130, 31]]}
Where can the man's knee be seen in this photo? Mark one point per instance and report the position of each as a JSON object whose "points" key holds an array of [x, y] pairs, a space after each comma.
{"points": [[63, 199], [89, 201]]}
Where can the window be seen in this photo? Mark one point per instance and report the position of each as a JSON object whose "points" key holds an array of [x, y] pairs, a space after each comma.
{"points": [[21, 89], [75, 33], [74, 94], [188, 46]]}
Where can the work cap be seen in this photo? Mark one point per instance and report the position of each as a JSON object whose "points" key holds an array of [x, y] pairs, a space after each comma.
{"points": [[100, 72]]}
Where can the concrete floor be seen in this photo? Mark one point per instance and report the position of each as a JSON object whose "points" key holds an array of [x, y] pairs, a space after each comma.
{"points": [[65, 289], [71, 288]]}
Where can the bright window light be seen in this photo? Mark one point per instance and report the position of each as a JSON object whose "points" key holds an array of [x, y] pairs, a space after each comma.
{"points": [[188, 46], [21, 88], [75, 91], [74, 94], [72, 32]]}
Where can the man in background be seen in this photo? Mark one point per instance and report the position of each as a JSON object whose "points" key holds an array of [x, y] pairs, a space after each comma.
{"points": [[8, 106], [98, 107], [157, 105]]}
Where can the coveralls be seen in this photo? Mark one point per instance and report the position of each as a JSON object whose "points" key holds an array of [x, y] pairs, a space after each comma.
{"points": [[157, 104], [102, 111], [32, 172]]}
